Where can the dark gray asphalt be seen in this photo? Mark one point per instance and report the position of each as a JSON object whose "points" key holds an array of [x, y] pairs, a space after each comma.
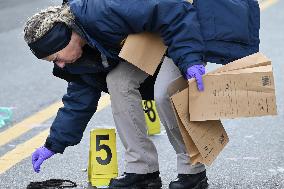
{"points": [[253, 159]]}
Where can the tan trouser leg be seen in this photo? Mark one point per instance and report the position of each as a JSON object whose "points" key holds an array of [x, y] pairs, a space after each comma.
{"points": [[123, 83], [167, 74]]}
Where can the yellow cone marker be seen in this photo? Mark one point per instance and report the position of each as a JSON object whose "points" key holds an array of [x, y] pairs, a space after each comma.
{"points": [[151, 117], [102, 157]]}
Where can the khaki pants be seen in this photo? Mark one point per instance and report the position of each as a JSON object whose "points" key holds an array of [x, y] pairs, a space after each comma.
{"points": [[141, 155]]}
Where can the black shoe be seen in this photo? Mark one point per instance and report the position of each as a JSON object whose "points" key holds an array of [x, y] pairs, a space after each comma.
{"points": [[187, 181], [136, 181]]}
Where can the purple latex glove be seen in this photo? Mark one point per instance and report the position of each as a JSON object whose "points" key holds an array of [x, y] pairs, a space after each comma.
{"points": [[196, 71], [39, 156]]}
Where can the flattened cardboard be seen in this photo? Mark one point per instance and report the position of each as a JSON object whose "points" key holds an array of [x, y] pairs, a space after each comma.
{"points": [[194, 154], [203, 140], [195, 157], [254, 60], [144, 50], [245, 91]]}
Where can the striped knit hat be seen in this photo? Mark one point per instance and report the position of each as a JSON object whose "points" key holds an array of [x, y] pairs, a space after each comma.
{"points": [[40, 23], [49, 30]]}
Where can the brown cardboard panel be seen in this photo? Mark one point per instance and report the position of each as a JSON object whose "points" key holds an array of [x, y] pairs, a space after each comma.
{"points": [[144, 50], [194, 154], [245, 70], [254, 60], [239, 93], [203, 140], [209, 137]]}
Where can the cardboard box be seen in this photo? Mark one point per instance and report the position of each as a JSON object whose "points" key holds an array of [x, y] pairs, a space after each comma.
{"points": [[243, 88], [204, 140]]}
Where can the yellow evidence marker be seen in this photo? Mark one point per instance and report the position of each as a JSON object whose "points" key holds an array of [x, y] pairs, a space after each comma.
{"points": [[102, 157], [151, 117]]}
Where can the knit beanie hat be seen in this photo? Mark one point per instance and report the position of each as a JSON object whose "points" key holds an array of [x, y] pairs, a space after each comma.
{"points": [[49, 30]]}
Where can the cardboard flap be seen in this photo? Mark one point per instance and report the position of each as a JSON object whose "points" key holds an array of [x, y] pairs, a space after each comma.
{"points": [[194, 155], [180, 101], [144, 50], [260, 69], [177, 85], [233, 96], [254, 60], [209, 136]]}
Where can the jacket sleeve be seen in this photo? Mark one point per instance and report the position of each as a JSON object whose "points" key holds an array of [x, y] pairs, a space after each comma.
{"points": [[80, 103], [175, 20]]}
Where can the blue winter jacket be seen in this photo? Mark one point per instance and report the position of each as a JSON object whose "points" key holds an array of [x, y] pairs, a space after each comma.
{"points": [[230, 28], [106, 23], [222, 30], [217, 31]]}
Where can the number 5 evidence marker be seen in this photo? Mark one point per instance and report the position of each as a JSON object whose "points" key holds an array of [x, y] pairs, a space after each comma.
{"points": [[102, 157]]}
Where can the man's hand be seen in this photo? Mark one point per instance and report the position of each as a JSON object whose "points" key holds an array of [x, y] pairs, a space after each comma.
{"points": [[39, 156], [196, 72]]}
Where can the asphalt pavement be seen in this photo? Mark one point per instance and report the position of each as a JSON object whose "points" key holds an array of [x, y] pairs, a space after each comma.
{"points": [[253, 159]]}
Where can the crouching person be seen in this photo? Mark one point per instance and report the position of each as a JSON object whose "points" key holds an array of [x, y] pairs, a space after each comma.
{"points": [[59, 34]]}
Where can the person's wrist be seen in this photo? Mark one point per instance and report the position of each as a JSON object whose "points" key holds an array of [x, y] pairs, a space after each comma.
{"points": [[48, 146], [196, 71], [54, 146], [47, 152]]}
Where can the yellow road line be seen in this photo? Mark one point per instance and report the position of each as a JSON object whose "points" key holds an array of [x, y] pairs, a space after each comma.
{"points": [[25, 149], [29, 123], [22, 151], [266, 3]]}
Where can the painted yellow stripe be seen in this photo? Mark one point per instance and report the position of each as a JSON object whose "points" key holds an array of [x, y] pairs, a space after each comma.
{"points": [[29, 123], [24, 150], [267, 3]]}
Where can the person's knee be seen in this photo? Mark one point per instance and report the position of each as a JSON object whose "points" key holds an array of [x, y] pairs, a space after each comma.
{"points": [[125, 77], [111, 79], [116, 83]]}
